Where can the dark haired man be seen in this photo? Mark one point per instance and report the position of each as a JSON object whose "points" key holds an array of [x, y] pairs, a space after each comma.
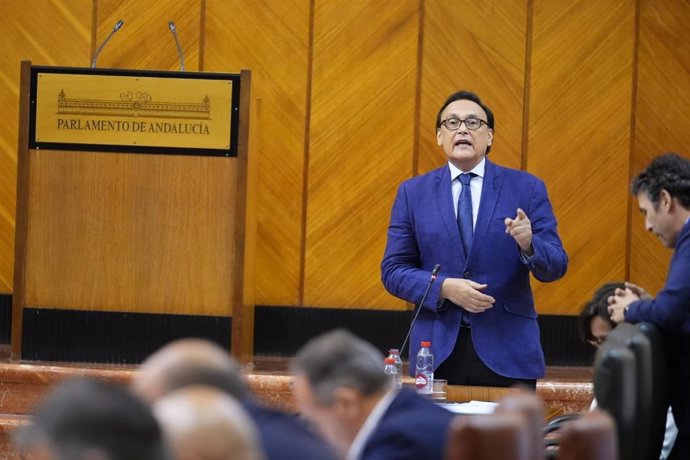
{"points": [[594, 321], [663, 194], [488, 227]]}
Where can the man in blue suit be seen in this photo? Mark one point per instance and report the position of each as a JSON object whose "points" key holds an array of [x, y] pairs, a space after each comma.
{"points": [[340, 387], [487, 236], [663, 194]]}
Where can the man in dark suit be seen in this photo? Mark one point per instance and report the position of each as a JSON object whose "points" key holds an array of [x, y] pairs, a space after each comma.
{"points": [[340, 387], [663, 195], [192, 362], [488, 227]]}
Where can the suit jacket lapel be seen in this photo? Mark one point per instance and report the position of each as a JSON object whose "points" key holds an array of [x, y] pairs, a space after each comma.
{"points": [[491, 189], [446, 208]]}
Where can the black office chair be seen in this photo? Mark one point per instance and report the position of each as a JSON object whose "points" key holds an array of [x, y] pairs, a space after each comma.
{"points": [[630, 383], [616, 388], [660, 390]]}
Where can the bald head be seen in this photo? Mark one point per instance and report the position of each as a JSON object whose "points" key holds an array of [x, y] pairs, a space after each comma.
{"points": [[188, 362], [203, 423]]}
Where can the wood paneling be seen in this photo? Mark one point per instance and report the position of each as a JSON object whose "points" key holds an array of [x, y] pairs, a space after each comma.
{"points": [[579, 137], [478, 47], [662, 118], [47, 33], [272, 40], [360, 144], [144, 41], [166, 219], [348, 92]]}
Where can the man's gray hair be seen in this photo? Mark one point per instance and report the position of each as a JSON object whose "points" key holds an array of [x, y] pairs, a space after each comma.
{"points": [[340, 359]]}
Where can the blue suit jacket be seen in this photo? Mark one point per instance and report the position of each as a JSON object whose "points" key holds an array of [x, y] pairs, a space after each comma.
{"points": [[412, 428], [670, 309], [284, 437], [423, 232]]}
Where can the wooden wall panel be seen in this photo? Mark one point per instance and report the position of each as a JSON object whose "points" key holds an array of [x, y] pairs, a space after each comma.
{"points": [[477, 46], [144, 41], [47, 33], [166, 219], [358, 117], [579, 137], [662, 118], [272, 40], [360, 145]]}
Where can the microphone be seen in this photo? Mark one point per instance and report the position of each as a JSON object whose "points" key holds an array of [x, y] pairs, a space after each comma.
{"points": [[434, 274], [171, 26], [107, 39]]}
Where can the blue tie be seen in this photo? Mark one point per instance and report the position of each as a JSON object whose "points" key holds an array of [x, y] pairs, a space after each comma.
{"points": [[465, 211]]}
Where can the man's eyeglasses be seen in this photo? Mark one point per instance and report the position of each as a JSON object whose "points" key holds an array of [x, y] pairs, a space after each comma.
{"points": [[453, 124], [596, 341]]}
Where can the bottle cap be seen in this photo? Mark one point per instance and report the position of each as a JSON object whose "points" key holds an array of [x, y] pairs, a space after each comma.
{"points": [[394, 351], [426, 343], [389, 360]]}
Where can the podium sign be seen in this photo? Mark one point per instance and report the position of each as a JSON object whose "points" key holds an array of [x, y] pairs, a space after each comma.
{"points": [[161, 112]]}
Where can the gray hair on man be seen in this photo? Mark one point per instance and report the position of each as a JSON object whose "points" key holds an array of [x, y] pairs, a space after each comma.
{"points": [[340, 359]]}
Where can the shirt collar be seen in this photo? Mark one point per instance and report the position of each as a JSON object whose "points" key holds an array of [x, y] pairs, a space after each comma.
{"points": [[372, 421], [478, 169]]}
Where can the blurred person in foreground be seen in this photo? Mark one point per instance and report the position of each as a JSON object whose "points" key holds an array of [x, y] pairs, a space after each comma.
{"points": [[203, 423], [663, 196], [340, 387], [85, 419], [188, 362]]}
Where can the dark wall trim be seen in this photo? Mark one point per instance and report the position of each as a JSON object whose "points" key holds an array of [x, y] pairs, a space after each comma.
{"points": [[281, 331], [68, 335], [111, 337], [5, 319]]}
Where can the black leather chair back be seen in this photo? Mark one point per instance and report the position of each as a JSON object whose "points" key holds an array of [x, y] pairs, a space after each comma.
{"points": [[615, 387], [660, 393], [630, 383]]}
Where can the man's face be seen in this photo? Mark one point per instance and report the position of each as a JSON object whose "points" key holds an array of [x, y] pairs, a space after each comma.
{"points": [[325, 419], [657, 219], [600, 329], [464, 148]]}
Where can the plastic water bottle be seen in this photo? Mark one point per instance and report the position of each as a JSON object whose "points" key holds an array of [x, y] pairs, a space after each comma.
{"points": [[395, 353], [424, 373], [391, 371]]}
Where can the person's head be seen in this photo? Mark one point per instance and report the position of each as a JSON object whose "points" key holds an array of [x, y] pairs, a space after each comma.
{"points": [[594, 321], [339, 379], [663, 194], [204, 423], [465, 146], [84, 419], [188, 362]]}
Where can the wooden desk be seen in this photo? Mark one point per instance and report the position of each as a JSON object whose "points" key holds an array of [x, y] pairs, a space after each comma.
{"points": [[462, 393]]}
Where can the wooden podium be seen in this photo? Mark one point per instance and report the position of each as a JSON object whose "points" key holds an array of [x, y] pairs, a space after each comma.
{"points": [[132, 223]]}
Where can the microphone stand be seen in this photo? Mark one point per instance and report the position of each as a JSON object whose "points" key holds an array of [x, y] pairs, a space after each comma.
{"points": [[107, 39], [434, 274], [173, 30]]}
